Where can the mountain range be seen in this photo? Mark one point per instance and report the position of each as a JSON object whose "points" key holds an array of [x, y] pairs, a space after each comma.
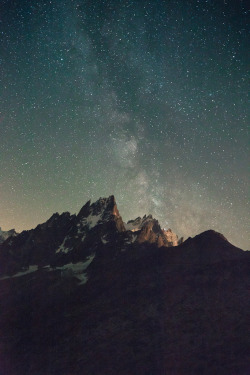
{"points": [[90, 294]]}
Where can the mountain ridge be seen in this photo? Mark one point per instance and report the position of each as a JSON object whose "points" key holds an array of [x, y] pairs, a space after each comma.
{"points": [[96, 224], [66, 238], [81, 294]]}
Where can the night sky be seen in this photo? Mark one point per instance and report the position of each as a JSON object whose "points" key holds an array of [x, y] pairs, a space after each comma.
{"points": [[146, 100]]}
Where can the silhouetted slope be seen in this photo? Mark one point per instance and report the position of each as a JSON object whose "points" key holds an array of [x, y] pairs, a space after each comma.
{"points": [[127, 307]]}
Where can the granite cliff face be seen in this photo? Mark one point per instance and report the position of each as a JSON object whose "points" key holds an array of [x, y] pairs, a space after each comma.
{"points": [[90, 294]]}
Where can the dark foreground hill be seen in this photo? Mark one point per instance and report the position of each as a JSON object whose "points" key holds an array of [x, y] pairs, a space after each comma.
{"points": [[89, 294]]}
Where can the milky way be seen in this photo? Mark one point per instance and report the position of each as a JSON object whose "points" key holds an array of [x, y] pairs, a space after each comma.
{"points": [[145, 100]]}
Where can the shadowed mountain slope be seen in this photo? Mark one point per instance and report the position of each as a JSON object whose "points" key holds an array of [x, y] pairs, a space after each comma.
{"points": [[96, 296]]}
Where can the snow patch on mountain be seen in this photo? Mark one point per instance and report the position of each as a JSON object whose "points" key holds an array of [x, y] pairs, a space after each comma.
{"points": [[67, 270], [137, 224], [62, 248], [92, 220], [104, 241], [77, 269], [31, 269]]}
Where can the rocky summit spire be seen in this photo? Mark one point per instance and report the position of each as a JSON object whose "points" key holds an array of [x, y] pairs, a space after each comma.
{"points": [[103, 210]]}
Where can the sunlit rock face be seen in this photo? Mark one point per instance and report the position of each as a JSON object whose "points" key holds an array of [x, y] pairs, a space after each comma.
{"points": [[89, 294], [171, 237], [148, 229]]}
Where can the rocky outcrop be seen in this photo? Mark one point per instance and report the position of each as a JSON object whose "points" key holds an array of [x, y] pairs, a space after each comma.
{"points": [[6, 234], [148, 229], [151, 232], [171, 237]]}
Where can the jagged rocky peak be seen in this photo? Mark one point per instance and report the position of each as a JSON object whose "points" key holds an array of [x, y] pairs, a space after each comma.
{"points": [[103, 210], [95, 223], [138, 223], [150, 230], [6, 234], [171, 237], [99, 208]]}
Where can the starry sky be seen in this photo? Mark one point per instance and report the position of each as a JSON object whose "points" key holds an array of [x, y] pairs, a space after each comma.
{"points": [[146, 100]]}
